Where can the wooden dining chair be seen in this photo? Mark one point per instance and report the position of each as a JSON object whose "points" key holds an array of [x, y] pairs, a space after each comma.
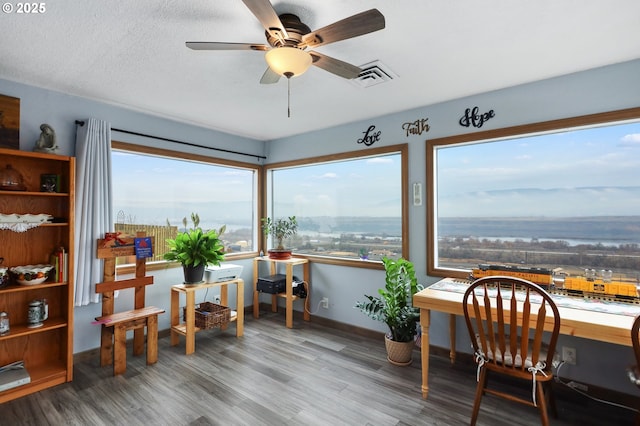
{"points": [[634, 371], [507, 318]]}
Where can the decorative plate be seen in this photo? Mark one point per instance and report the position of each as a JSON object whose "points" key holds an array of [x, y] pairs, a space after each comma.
{"points": [[22, 222], [25, 218], [31, 274]]}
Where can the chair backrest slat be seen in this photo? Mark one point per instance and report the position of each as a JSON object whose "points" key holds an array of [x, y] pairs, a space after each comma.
{"points": [[489, 321], [478, 317], [635, 339], [501, 324]]}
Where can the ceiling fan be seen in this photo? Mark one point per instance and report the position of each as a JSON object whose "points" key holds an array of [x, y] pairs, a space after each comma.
{"points": [[288, 38]]}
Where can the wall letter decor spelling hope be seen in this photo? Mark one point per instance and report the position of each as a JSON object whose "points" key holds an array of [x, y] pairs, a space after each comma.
{"points": [[369, 137], [472, 118]]}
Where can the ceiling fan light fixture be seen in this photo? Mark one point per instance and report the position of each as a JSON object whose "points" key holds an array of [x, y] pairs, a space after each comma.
{"points": [[288, 61]]}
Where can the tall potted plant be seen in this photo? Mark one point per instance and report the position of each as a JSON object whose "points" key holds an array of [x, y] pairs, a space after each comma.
{"points": [[394, 307], [195, 249], [280, 229]]}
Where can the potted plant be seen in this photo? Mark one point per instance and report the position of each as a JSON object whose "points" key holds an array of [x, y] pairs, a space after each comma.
{"points": [[394, 307], [280, 229], [195, 249]]}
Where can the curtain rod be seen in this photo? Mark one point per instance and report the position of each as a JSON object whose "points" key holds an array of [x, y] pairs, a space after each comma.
{"points": [[81, 123]]}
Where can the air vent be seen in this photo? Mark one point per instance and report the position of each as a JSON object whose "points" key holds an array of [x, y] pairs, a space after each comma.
{"points": [[373, 73]]}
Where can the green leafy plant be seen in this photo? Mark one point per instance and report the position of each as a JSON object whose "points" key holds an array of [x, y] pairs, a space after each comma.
{"points": [[394, 305], [280, 229], [195, 247]]}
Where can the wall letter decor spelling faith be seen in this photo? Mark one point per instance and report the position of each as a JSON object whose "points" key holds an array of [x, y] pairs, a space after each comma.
{"points": [[369, 137], [417, 127], [472, 118]]}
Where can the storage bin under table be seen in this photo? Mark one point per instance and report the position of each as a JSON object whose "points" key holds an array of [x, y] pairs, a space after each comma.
{"points": [[188, 328]]}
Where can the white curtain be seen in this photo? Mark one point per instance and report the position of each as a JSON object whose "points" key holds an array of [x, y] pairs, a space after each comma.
{"points": [[94, 202]]}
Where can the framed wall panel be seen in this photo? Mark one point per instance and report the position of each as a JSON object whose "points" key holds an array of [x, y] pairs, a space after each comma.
{"points": [[9, 122]]}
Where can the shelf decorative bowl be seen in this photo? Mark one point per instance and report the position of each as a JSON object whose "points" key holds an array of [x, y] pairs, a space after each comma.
{"points": [[11, 180], [31, 274]]}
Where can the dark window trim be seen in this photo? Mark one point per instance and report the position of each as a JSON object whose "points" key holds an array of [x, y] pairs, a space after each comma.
{"points": [[403, 149], [161, 152]]}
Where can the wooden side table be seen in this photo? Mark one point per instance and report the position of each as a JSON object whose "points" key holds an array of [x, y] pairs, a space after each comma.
{"points": [[288, 294], [188, 329]]}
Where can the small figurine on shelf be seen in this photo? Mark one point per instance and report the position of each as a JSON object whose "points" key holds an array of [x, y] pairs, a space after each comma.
{"points": [[50, 183], [47, 140]]}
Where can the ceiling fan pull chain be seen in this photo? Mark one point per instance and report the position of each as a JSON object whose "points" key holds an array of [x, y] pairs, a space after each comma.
{"points": [[288, 97]]}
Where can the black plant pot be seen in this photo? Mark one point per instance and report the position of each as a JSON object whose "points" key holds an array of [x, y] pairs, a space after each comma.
{"points": [[193, 274]]}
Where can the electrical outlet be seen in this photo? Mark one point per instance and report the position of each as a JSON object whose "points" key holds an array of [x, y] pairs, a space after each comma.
{"points": [[325, 302], [569, 355], [217, 299]]}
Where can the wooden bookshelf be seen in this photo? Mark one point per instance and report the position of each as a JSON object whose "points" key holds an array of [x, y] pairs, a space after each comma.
{"points": [[47, 351]]}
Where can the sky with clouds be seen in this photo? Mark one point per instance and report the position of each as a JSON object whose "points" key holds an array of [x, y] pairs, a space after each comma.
{"points": [[588, 172], [146, 189], [361, 187]]}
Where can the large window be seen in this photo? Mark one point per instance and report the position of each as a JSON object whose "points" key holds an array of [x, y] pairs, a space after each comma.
{"points": [[153, 190], [562, 194], [350, 207]]}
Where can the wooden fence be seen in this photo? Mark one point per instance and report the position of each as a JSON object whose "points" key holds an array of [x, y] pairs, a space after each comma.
{"points": [[161, 234]]}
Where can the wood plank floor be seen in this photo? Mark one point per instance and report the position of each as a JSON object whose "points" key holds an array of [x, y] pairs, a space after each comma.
{"points": [[309, 375]]}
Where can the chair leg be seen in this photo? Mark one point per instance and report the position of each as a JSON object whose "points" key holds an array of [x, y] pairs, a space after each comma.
{"points": [[119, 350], [482, 384], [152, 339], [551, 400], [106, 346], [542, 404], [138, 341]]}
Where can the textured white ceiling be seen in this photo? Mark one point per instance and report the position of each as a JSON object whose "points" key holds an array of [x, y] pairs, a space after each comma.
{"points": [[132, 53]]}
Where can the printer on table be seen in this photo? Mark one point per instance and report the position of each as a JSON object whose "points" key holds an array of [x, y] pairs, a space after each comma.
{"points": [[226, 272], [277, 283]]}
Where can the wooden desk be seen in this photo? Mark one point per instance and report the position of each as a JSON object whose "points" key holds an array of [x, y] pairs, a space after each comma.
{"points": [[604, 327], [188, 329], [288, 294]]}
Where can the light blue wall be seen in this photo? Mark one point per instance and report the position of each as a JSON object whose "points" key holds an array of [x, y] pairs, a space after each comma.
{"points": [[39, 106], [599, 90], [605, 89]]}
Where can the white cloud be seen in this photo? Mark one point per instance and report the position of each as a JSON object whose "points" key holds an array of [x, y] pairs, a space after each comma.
{"points": [[329, 175], [379, 160], [632, 139]]}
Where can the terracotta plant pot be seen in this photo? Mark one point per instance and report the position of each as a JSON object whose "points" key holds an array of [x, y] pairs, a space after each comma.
{"points": [[399, 353], [280, 254]]}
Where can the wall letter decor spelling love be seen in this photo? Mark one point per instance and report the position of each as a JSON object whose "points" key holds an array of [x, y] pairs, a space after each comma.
{"points": [[369, 137]]}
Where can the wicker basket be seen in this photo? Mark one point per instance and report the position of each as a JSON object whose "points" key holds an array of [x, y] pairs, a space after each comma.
{"points": [[209, 315]]}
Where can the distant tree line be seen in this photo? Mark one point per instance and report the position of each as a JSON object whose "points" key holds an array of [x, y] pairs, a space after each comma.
{"points": [[622, 258]]}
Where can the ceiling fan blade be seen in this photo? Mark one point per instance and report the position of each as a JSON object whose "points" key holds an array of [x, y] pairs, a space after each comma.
{"points": [[266, 14], [335, 66], [353, 26], [210, 45], [269, 77]]}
